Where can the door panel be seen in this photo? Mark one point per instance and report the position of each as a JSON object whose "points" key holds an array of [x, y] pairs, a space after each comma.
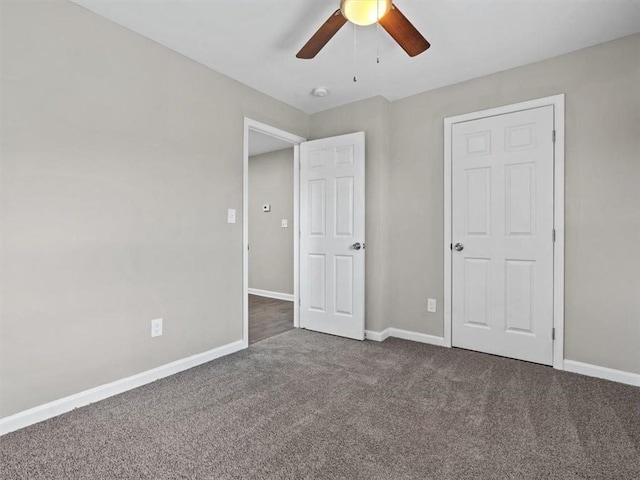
{"points": [[478, 213], [331, 221], [316, 208], [520, 199], [502, 215], [344, 284], [344, 207], [477, 292], [317, 282], [520, 278]]}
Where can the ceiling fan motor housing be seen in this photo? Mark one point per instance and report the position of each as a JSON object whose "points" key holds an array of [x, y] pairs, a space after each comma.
{"points": [[364, 12]]}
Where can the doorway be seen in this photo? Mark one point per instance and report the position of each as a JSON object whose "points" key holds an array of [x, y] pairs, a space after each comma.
{"points": [[270, 220], [504, 231], [328, 228]]}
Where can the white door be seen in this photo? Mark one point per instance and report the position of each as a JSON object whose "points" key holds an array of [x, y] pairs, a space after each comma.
{"points": [[502, 233], [332, 235]]}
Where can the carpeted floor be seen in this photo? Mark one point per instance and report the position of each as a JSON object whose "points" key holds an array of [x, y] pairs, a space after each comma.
{"points": [[305, 405], [268, 317]]}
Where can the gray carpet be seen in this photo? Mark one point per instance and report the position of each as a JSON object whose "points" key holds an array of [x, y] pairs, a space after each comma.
{"points": [[268, 317], [306, 405]]}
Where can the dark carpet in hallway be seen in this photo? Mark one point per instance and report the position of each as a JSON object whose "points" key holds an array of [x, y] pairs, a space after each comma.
{"points": [[305, 405], [268, 317]]}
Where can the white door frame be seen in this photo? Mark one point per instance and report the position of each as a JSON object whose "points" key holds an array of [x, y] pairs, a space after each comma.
{"points": [[557, 101], [295, 141]]}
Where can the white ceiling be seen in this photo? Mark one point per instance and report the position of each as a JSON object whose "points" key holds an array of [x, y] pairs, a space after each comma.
{"points": [[260, 143], [255, 41]]}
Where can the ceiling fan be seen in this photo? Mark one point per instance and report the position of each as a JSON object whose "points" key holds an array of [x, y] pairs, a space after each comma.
{"points": [[368, 12]]}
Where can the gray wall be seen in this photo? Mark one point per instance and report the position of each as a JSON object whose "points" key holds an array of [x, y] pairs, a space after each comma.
{"points": [[271, 253], [602, 293], [120, 159], [372, 117]]}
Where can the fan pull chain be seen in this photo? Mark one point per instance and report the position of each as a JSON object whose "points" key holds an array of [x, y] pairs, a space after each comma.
{"points": [[378, 43], [378, 33], [355, 45]]}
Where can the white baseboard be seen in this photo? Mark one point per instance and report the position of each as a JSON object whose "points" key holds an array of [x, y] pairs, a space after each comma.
{"points": [[404, 334], [377, 336], [266, 293], [416, 337], [619, 376], [66, 404]]}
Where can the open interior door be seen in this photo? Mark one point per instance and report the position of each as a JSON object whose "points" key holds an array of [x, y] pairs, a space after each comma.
{"points": [[332, 242]]}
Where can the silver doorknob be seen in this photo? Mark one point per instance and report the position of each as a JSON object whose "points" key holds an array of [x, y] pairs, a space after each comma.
{"points": [[459, 247], [356, 246]]}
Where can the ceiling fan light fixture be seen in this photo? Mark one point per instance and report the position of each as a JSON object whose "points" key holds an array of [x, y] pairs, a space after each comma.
{"points": [[364, 12]]}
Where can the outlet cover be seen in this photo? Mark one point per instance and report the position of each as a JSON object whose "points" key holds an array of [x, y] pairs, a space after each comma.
{"points": [[156, 327], [285, 223], [431, 305]]}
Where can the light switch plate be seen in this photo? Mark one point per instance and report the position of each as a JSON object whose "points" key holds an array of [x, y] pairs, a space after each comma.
{"points": [[156, 327], [285, 223], [231, 215], [431, 305]]}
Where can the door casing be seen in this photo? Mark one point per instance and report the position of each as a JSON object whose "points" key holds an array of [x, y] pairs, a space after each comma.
{"points": [[557, 101], [295, 142]]}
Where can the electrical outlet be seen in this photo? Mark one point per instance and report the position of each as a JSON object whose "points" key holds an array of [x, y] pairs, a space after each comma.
{"points": [[156, 327], [285, 223], [431, 305], [231, 215]]}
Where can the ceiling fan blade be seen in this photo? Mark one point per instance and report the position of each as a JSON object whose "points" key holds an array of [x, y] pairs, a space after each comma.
{"points": [[403, 32], [322, 36]]}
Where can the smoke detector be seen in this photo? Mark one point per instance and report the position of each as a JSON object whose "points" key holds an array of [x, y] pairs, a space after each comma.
{"points": [[320, 92]]}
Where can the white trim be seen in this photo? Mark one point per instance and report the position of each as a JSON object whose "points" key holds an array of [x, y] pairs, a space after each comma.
{"points": [[289, 297], [296, 235], [66, 404], [416, 337], [557, 101], [619, 376], [295, 140], [376, 336], [448, 124], [404, 334], [558, 225]]}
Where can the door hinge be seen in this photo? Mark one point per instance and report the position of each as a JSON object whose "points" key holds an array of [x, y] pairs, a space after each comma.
{"points": [[451, 246], [553, 334], [553, 136], [553, 235]]}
